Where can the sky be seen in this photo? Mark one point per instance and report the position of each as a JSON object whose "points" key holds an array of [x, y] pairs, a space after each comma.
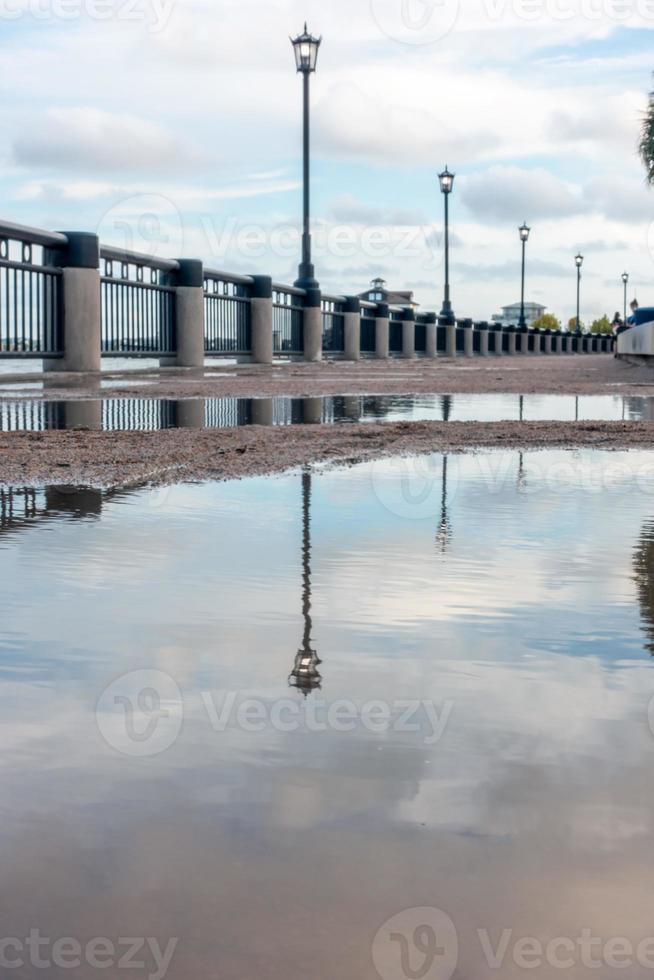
{"points": [[174, 127]]}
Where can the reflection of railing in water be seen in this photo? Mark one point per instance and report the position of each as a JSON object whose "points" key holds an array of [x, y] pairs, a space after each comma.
{"points": [[31, 416], [24, 507]]}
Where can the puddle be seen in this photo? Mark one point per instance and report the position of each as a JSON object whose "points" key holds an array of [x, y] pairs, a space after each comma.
{"points": [[150, 414], [269, 717]]}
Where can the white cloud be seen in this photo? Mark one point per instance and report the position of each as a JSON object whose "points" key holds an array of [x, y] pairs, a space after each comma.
{"points": [[90, 140]]}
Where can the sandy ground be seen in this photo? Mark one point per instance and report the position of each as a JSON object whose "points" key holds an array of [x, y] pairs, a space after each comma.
{"points": [[115, 459], [106, 459], [580, 375]]}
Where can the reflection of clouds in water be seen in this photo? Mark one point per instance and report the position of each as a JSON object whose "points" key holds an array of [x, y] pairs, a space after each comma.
{"points": [[284, 852]]}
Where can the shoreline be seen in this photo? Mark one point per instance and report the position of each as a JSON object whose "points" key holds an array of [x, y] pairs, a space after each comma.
{"points": [[94, 458], [110, 460]]}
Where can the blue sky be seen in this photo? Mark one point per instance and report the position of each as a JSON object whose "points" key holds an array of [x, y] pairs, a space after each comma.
{"points": [[173, 126]]}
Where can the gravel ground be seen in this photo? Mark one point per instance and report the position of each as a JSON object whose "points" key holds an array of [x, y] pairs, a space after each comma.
{"points": [[114, 459], [582, 375]]}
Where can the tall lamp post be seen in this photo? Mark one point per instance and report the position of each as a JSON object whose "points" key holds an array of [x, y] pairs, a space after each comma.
{"points": [[306, 57], [523, 231], [625, 280], [579, 261], [446, 180]]}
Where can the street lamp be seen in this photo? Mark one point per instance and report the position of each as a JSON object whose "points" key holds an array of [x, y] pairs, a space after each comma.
{"points": [[306, 57], [523, 231], [446, 180], [579, 261], [625, 280]]}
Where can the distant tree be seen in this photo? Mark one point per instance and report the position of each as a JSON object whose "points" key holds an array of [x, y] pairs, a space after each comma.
{"points": [[546, 322], [646, 144], [572, 324], [603, 325]]}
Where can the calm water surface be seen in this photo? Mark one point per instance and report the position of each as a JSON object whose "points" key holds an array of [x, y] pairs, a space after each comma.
{"points": [[505, 602], [125, 413]]}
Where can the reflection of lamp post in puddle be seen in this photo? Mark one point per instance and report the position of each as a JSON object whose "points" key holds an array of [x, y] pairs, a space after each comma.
{"points": [[522, 478], [305, 675], [444, 532]]}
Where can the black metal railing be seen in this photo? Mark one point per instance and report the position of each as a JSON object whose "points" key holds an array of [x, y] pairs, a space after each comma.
{"points": [[421, 337], [31, 313], [395, 332], [368, 333], [288, 331], [333, 325], [227, 314], [138, 305]]}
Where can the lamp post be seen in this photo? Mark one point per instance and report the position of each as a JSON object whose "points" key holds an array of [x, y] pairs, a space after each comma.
{"points": [[306, 57], [446, 180], [579, 261], [523, 231], [625, 280]]}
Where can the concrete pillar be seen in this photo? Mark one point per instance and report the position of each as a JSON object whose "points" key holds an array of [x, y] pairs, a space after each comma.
{"points": [[262, 411], [261, 314], [382, 336], [189, 316], [547, 342], [190, 413], [497, 330], [312, 326], [468, 338], [430, 335], [352, 407], [522, 342], [482, 330], [558, 342], [511, 334], [82, 340], [408, 333], [85, 414], [352, 330], [312, 411], [450, 338]]}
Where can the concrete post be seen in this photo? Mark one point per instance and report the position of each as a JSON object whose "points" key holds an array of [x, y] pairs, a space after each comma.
{"points": [[82, 339], [312, 410], [558, 342], [482, 330], [382, 334], [408, 333], [450, 337], [430, 335], [522, 342], [262, 411], [498, 331], [83, 414], [468, 339], [547, 342], [312, 326], [352, 330], [261, 313], [190, 413], [352, 407], [189, 316], [510, 331]]}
